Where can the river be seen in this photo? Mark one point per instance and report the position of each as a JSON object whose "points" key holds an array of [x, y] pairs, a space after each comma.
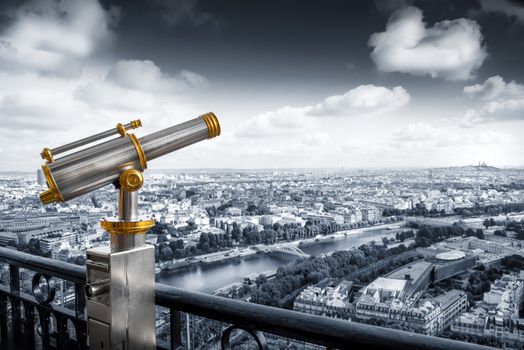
{"points": [[208, 278]]}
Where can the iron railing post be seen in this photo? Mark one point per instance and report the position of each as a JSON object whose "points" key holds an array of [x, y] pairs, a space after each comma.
{"points": [[29, 325], [4, 333], [16, 317], [175, 328], [80, 327], [44, 328]]}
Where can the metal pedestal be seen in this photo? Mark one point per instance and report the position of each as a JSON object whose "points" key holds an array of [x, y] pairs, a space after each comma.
{"points": [[120, 289], [121, 298]]}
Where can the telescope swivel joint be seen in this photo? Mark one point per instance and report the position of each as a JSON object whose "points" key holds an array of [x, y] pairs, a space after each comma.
{"points": [[131, 180]]}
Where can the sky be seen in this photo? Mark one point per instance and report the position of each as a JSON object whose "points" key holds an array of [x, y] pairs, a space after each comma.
{"points": [[295, 84]]}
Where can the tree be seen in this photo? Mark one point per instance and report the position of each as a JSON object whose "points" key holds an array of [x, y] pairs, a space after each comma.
{"points": [[166, 254], [485, 286], [479, 233], [236, 233], [179, 253], [179, 244], [161, 238], [260, 280], [500, 233], [422, 242], [252, 209], [204, 238]]}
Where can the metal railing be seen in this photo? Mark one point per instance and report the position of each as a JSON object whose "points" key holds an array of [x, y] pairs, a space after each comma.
{"points": [[21, 310], [34, 319]]}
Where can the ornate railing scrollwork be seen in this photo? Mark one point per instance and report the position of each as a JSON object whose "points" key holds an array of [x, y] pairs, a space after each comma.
{"points": [[259, 337], [43, 295]]}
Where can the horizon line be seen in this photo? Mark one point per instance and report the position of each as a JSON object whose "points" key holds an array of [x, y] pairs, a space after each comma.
{"points": [[505, 167]]}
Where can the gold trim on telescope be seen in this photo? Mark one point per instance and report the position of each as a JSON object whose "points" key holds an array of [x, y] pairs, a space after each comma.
{"points": [[47, 155], [139, 151], [127, 227], [52, 194], [133, 124], [213, 126], [131, 180], [121, 129]]}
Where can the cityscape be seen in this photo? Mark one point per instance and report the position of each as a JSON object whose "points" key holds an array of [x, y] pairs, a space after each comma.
{"points": [[436, 251], [270, 175]]}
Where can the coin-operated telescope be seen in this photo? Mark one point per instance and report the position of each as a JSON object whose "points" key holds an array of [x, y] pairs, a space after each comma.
{"points": [[120, 283]]}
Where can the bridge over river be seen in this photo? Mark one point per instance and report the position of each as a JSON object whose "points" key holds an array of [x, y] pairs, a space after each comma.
{"points": [[290, 249]]}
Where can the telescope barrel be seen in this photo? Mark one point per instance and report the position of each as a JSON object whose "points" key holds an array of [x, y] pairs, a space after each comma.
{"points": [[179, 136], [89, 169]]}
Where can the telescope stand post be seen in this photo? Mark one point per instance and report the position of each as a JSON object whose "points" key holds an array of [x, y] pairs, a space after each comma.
{"points": [[120, 289]]}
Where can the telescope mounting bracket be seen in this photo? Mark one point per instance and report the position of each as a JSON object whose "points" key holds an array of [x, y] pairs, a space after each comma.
{"points": [[128, 230]]}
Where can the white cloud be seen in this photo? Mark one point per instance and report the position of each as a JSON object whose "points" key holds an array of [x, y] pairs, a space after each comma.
{"points": [[35, 102], [106, 95], [503, 101], [469, 119], [494, 87], [311, 135], [364, 100], [494, 111], [274, 124], [450, 49], [134, 85], [146, 76], [54, 36], [505, 109], [25, 108], [512, 9], [188, 79]]}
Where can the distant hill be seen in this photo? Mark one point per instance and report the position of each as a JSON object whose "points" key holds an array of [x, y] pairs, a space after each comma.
{"points": [[480, 167]]}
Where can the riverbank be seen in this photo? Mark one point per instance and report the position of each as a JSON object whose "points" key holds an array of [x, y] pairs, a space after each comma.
{"points": [[241, 253], [344, 233], [208, 278], [217, 257]]}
